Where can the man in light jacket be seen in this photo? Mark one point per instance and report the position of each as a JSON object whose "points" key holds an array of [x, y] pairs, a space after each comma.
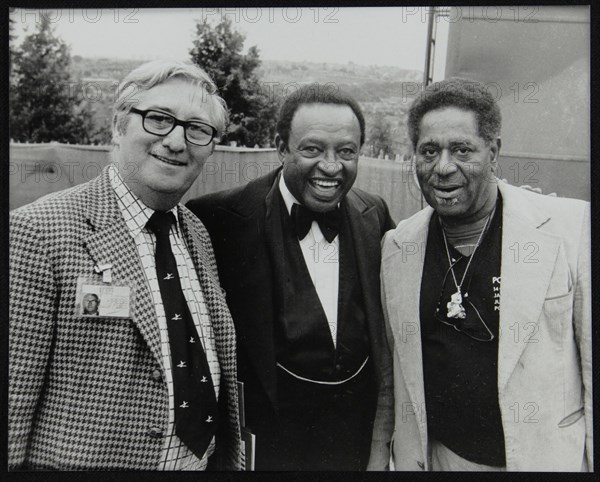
{"points": [[486, 297]]}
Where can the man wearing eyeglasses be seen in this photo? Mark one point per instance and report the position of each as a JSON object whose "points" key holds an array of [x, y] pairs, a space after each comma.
{"points": [[298, 253], [150, 382], [486, 296]]}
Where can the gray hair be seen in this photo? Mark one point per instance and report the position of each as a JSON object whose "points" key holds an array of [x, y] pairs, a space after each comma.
{"points": [[156, 72]]}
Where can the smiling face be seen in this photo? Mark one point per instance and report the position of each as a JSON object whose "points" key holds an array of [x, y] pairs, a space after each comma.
{"points": [[455, 166], [160, 169], [320, 160]]}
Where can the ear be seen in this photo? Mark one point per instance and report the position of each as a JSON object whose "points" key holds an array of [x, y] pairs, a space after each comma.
{"points": [[495, 147], [282, 147], [116, 135], [413, 168], [494, 155], [116, 132]]}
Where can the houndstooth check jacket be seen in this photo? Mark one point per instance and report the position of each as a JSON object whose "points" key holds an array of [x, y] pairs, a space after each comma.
{"points": [[84, 393]]}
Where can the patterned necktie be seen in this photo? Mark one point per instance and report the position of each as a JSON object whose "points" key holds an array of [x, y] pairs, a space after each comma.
{"points": [[329, 222], [196, 412]]}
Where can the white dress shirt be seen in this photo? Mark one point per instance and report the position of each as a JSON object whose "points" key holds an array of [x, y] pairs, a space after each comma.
{"points": [[322, 261]]}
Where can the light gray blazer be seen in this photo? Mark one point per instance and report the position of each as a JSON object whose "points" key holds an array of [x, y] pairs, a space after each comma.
{"points": [[544, 353]]}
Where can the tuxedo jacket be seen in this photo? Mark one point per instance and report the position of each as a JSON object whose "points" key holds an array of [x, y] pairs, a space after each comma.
{"points": [[91, 393], [544, 346], [239, 222]]}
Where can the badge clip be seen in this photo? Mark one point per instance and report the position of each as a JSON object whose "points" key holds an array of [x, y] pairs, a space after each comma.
{"points": [[106, 270]]}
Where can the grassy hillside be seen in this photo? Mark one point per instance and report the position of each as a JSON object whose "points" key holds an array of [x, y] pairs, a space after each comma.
{"points": [[381, 91]]}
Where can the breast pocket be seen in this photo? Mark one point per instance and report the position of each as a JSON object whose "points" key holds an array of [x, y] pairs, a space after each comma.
{"points": [[558, 313], [558, 305]]}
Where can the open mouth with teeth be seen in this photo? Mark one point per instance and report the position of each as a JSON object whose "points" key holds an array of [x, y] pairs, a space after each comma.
{"points": [[447, 195], [326, 184], [325, 189], [165, 160]]}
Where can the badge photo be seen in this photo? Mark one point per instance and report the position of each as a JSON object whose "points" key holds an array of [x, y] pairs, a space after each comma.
{"points": [[100, 299]]}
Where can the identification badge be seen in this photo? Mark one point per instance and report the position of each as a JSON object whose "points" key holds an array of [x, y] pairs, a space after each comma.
{"points": [[96, 297]]}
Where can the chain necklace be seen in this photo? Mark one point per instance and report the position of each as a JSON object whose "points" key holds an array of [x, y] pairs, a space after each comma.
{"points": [[455, 307]]}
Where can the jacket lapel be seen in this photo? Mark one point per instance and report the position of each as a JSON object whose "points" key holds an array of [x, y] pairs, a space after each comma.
{"points": [[264, 337], [366, 235], [249, 248], [111, 242], [528, 259], [404, 274], [211, 290]]}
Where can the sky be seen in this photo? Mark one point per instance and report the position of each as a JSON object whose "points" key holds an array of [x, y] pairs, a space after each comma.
{"points": [[391, 36]]}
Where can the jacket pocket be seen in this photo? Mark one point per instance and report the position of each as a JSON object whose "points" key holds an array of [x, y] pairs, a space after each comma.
{"points": [[558, 314], [559, 297], [572, 418]]}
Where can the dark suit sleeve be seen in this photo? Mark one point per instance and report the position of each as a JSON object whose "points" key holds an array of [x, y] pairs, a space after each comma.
{"points": [[387, 221], [208, 209], [33, 295], [205, 209]]}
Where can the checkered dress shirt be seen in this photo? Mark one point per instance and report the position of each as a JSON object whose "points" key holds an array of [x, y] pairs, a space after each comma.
{"points": [[176, 456]]}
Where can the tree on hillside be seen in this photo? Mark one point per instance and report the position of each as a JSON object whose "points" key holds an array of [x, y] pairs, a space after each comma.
{"points": [[218, 50], [43, 106], [380, 135]]}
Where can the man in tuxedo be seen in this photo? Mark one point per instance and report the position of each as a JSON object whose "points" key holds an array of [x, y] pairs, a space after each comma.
{"points": [[298, 253], [150, 382]]}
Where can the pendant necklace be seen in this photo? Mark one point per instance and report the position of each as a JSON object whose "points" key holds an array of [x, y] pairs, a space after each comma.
{"points": [[455, 307]]}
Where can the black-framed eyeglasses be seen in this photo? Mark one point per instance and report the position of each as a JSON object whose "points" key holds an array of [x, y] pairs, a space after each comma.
{"points": [[161, 124], [472, 323]]}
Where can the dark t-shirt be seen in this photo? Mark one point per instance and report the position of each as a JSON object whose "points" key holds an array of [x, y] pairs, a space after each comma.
{"points": [[461, 373]]}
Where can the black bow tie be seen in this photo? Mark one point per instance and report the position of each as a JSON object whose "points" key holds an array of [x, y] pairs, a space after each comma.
{"points": [[329, 222]]}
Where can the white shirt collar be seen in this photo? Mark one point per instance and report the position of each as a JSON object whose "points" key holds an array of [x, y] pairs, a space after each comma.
{"points": [[135, 213], [288, 197], [290, 200]]}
